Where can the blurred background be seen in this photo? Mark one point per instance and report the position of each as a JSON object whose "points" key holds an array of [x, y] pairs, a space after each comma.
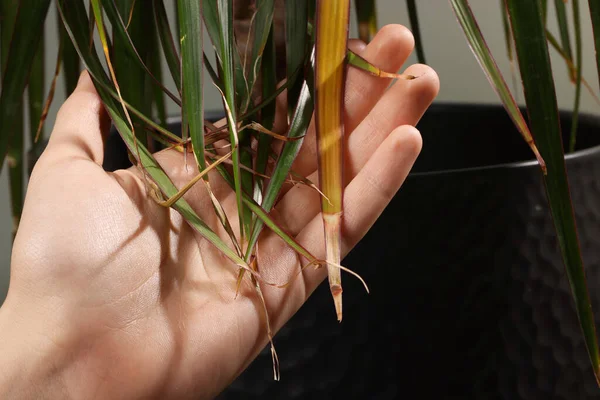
{"points": [[446, 51]]}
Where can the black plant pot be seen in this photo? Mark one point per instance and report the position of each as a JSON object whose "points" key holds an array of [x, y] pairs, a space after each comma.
{"points": [[478, 306]]}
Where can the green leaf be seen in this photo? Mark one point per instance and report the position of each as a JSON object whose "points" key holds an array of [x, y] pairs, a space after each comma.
{"points": [[192, 67], [296, 35], [366, 14], [595, 16], [214, 20], [75, 18], [534, 61], [269, 83], [69, 59], [416, 30], [563, 27], [130, 49], [508, 42], [35, 91], [359, 62], [578, 73], [260, 28], [225, 53], [133, 47], [483, 55], [156, 93], [298, 128], [166, 40], [28, 29], [8, 14]]}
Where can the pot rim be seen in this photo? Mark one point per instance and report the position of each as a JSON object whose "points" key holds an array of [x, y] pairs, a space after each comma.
{"points": [[532, 163]]}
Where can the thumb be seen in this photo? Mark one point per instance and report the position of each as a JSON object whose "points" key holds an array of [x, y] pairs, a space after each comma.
{"points": [[81, 126]]}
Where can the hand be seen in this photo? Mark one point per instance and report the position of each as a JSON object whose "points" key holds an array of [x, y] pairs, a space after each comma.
{"points": [[114, 297]]}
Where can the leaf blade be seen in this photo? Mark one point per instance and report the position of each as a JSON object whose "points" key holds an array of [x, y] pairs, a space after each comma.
{"points": [[482, 53], [366, 15], [416, 30], [540, 95], [331, 48], [192, 67], [26, 35]]}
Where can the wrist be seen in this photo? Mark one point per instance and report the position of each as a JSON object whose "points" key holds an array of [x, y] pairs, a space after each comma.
{"points": [[33, 362]]}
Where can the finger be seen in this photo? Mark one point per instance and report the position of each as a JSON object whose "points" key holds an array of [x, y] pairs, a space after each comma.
{"points": [[409, 98], [388, 50], [81, 126], [366, 196]]}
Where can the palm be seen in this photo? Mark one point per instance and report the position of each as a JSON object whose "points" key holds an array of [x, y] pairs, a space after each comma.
{"points": [[152, 303]]}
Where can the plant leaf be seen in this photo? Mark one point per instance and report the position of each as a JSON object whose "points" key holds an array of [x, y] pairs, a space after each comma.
{"points": [[416, 30], [366, 14], [595, 16], [225, 52], [28, 29], [74, 16], [261, 27], [296, 35], [213, 20], [330, 61], [133, 46], [578, 73], [192, 67], [563, 27], [8, 13], [166, 40], [70, 59], [508, 41], [35, 90], [268, 78], [298, 128], [532, 50], [359, 62], [483, 55]]}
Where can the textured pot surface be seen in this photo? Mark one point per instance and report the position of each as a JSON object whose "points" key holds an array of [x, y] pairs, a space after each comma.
{"points": [[479, 306]]}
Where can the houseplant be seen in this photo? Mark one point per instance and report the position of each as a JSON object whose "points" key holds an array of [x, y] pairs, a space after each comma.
{"points": [[232, 83]]}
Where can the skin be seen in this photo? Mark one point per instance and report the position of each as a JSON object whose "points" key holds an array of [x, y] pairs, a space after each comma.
{"points": [[114, 297]]}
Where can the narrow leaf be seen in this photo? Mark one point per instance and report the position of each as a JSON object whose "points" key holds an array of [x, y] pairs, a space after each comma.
{"points": [[298, 128], [74, 15], [563, 27], [130, 48], [28, 29], [166, 40], [192, 67], [540, 95], [225, 53], [556, 46], [483, 55], [296, 14], [595, 16], [578, 73], [416, 30], [268, 78], [331, 48], [8, 12], [508, 42], [259, 29], [366, 14], [69, 59], [35, 90], [359, 62], [133, 44]]}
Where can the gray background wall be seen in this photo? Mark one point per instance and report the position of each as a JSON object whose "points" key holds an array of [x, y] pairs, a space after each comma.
{"points": [[446, 51]]}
